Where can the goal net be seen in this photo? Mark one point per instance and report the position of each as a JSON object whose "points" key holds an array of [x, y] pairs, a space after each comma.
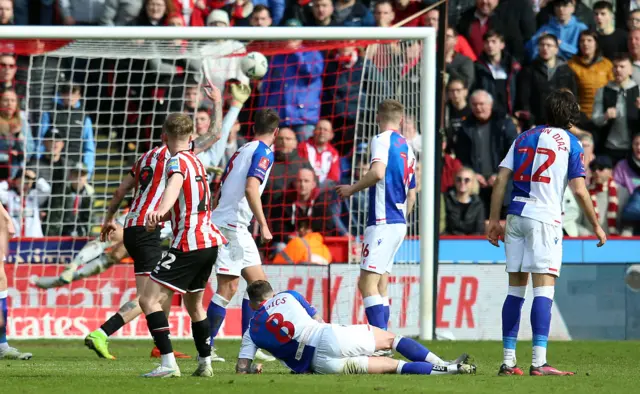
{"points": [[88, 108]]}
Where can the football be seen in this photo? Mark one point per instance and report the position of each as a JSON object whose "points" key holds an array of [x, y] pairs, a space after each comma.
{"points": [[254, 65]]}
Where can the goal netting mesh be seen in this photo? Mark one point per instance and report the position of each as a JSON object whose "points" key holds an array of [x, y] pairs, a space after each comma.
{"points": [[91, 107]]}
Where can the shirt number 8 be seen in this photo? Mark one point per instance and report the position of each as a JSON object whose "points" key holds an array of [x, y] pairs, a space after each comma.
{"points": [[275, 324]]}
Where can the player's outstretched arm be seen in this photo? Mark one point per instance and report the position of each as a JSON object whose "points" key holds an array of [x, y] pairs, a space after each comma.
{"points": [[108, 226], [579, 188], [495, 232], [205, 141], [373, 176], [252, 193]]}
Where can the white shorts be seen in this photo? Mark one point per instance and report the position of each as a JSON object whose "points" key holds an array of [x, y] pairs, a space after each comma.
{"points": [[532, 246], [241, 252], [344, 349], [381, 243]]}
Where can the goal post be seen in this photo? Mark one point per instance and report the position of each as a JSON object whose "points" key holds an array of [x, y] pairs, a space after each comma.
{"points": [[98, 42]]}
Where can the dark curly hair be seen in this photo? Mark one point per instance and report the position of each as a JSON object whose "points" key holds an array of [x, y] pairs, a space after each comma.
{"points": [[562, 109]]}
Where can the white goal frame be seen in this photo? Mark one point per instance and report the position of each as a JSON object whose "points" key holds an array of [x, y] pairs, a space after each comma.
{"points": [[428, 91]]}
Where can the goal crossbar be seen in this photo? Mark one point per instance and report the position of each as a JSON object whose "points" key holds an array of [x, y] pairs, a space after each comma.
{"points": [[427, 95]]}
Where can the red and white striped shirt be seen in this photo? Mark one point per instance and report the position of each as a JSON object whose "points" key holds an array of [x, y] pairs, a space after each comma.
{"points": [[149, 173], [325, 163], [191, 213]]}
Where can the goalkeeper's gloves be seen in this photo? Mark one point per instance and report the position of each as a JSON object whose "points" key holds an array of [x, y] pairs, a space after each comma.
{"points": [[240, 93]]}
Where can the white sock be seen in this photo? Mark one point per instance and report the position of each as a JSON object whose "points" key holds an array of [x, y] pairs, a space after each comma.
{"points": [[435, 360], [539, 356], [399, 367], [509, 357], [169, 360], [372, 300], [220, 300], [205, 360]]}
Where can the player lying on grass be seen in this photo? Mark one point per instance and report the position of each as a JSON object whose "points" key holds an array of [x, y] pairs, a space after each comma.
{"points": [[7, 230], [539, 163], [290, 328]]}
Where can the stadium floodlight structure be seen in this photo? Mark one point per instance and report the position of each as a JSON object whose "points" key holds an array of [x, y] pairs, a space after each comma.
{"points": [[392, 52]]}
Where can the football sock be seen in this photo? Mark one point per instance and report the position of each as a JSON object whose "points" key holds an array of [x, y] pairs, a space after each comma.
{"points": [[200, 332], [4, 309], [159, 329], [216, 312], [541, 322], [424, 368], [374, 310], [511, 310], [387, 310], [94, 267], [415, 351], [112, 325], [247, 312]]}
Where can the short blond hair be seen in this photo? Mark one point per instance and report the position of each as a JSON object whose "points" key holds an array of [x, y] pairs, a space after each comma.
{"points": [[390, 111], [178, 125]]}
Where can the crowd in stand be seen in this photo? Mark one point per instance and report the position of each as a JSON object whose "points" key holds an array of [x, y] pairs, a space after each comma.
{"points": [[502, 59]]}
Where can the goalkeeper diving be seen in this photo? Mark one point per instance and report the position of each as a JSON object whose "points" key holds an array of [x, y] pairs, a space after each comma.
{"points": [[129, 237]]}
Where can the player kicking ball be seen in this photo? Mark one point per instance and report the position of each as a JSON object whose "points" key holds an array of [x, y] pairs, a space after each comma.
{"points": [[292, 330], [243, 181], [7, 230], [391, 182], [540, 162], [186, 267]]}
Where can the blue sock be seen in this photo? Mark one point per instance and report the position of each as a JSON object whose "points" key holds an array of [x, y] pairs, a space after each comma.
{"points": [[216, 312], [374, 310], [4, 309], [416, 368], [247, 313], [541, 323], [511, 310], [410, 349], [387, 310]]}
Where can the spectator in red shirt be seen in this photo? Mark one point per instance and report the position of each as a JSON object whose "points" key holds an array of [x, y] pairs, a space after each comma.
{"points": [[404, 9], [322, 156], [462, 47]]}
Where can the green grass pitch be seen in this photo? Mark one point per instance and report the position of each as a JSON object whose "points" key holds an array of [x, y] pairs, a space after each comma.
{"points": [[64, 366]]}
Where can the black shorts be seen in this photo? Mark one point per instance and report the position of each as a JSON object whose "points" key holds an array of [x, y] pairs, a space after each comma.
{"points": [[185, 271], [143, 247]]}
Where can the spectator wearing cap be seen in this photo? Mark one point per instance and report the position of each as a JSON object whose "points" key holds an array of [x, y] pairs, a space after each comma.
{"points": [[545, 74], [216, 56], [564, 26], [457, 109], [582, 12], [627, 172], [70, 212], [84, 12], [51, 165], [321, 154], [611, 39], [509, 17], [593, 71], [607, 197], [22, 197], [616, 112], [293, 86], [69, 117], [496, 71], [120, 12], [352, 13], [406, 8], [483, 140], [261, 16], [16, 141]]}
